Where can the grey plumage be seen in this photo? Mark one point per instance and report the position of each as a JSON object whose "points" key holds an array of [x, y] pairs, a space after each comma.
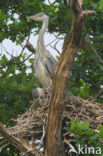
{"points": [[36, 93], [44, 62]]}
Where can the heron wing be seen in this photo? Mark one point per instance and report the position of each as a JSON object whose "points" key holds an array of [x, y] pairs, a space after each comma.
{"points": [[41, 72], [50, 64]]}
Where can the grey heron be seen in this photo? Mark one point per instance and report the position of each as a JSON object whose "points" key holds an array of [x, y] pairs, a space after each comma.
{"points": [[44, 62]]}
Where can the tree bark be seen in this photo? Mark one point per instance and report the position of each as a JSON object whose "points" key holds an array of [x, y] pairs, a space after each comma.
{"points": [[54, 143], [21, 144]]}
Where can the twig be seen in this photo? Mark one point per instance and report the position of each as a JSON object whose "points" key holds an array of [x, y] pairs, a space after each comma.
{"points": [[6, 51], [100, 92], [1, 148], [88, 12], [60, 38], [95, 52], [29, 46], [20, 144], [15, 59], [24, 59], [55, 49], [51, 42], [49, 2]]}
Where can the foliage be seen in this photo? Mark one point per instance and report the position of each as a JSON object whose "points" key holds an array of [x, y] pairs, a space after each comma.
{"points": [[15, 93], [84, 135], [15, 89], [10, 151]]}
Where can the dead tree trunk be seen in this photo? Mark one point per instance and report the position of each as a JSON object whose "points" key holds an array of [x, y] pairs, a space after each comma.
{"points": [[54, 144]]}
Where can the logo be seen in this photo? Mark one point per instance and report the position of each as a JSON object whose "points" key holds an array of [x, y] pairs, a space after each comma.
{"points": [[85, 150], [72, 149]]}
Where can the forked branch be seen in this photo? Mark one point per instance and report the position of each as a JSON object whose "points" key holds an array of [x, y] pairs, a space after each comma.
{"points": [[19, 143], [54, 145]]}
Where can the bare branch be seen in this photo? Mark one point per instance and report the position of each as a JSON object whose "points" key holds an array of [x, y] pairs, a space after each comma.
{"points": [[59, 38], [6, 51], [24, 46], [88, 12], [95, 52], [15, 59], [1, 148], [25, 59], [55, 49], [19, 143], [51, 42], [49, 2], [30, 47], [100, 92], [11, 61]]}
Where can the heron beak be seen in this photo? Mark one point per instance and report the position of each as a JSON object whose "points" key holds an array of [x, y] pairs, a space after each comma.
{"points": [[32, 17]]}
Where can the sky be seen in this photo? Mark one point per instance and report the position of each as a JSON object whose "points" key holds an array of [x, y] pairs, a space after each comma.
{"points": [[12, 48]]}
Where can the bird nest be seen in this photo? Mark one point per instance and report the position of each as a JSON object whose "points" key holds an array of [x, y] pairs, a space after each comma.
{"points": [[30, 125]]}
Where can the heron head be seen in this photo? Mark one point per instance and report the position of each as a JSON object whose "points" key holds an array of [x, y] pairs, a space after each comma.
{"points": [[39, 17]]}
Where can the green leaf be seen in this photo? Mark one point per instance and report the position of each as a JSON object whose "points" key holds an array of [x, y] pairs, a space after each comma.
{"points": [[101, 131]]}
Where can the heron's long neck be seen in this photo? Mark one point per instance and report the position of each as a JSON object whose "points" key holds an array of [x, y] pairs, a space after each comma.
{"points": [[41, 33]]}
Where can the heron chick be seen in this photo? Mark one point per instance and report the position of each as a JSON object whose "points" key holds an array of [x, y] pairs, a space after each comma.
{"points": [[44, 62], [36, 93]]}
